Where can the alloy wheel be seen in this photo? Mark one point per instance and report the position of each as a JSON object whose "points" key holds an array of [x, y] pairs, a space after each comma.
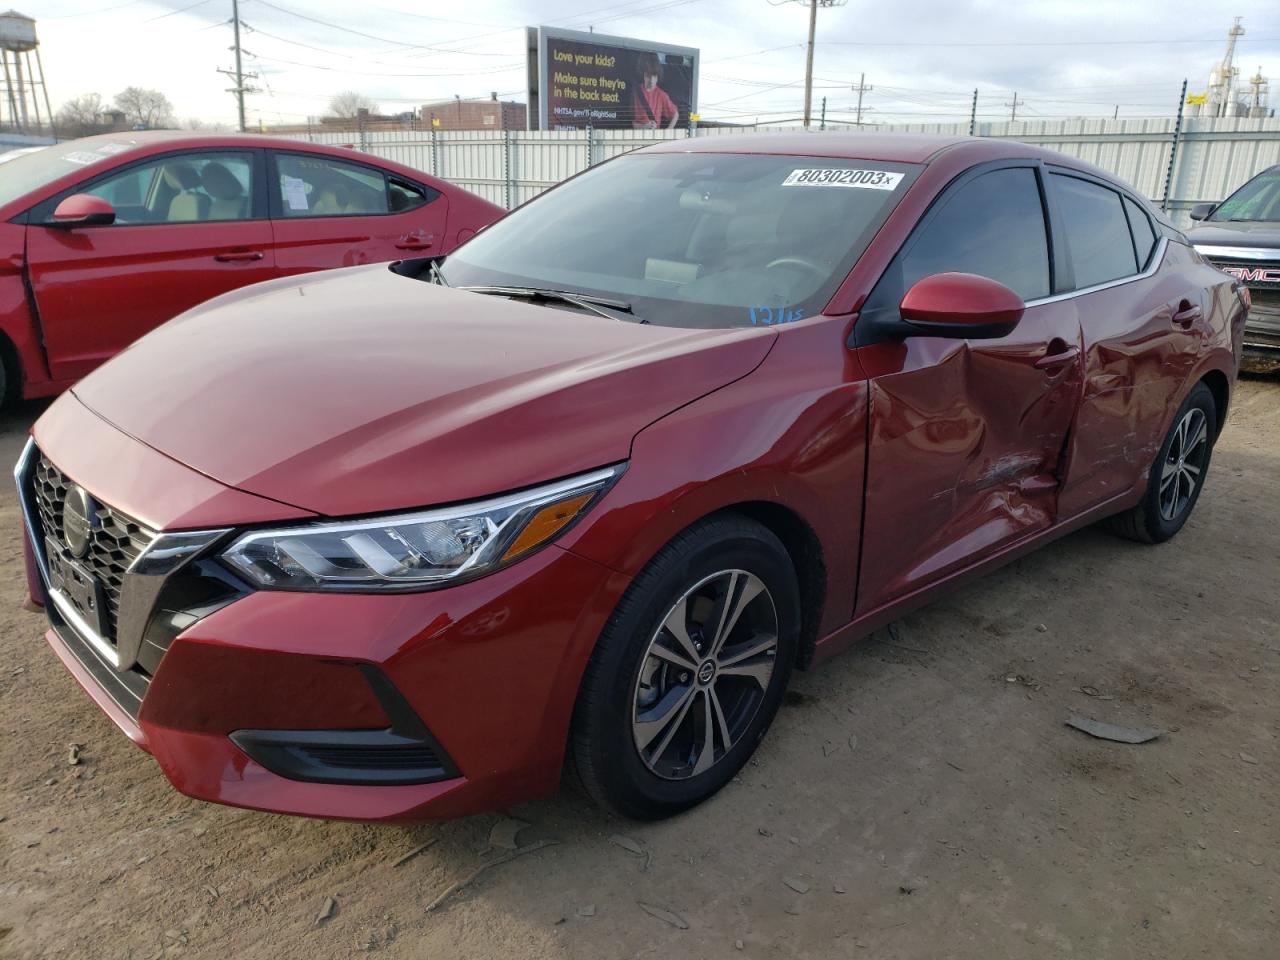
{"points": [[704, 674], [1183, 467]]}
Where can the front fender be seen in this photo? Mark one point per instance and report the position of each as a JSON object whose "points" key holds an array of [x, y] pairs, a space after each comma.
{"points": [[792, 434]]}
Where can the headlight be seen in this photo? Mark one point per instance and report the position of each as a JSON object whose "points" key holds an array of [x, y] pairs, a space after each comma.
{"points": [[415, 550]]}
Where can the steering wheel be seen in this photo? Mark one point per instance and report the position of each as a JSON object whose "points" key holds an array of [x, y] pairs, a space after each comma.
{"points": [[797, 262]]}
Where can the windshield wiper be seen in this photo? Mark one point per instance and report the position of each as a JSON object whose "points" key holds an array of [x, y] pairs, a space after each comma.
{"points": [[611, 309], [436, 276]]}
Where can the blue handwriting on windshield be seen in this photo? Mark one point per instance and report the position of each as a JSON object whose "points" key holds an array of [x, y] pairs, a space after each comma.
{"points": [[771, 315]]}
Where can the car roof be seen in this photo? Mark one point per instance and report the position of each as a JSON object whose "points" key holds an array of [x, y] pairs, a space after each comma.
{"points": [[169, 139], [901, 147], [885, 147]]}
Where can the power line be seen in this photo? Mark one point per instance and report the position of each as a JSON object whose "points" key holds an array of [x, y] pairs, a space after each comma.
{"points": [[371, 36], [93, 13], [1024, 43], [516, 62], [754, 53], [174, 13], [490, 71]]}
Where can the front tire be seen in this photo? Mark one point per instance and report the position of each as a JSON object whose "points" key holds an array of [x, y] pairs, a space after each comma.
{"points": [[689, 671], [1178, 474]]}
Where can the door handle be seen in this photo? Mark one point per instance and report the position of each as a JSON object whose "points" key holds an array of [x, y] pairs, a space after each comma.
{"points": [[415, 242], [237, 256], [1187, 313], [1051, 360]]}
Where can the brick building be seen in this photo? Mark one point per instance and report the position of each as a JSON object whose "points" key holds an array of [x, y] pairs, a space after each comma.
{"points": [[491, 114]]}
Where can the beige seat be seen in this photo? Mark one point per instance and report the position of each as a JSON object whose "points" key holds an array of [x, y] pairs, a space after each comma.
{"points": [[186, 204], [228, 199], [331, 200]]}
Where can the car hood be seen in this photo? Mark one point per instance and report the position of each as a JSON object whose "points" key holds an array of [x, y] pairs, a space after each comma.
{"points": [[358, 390], [1254, 233]]}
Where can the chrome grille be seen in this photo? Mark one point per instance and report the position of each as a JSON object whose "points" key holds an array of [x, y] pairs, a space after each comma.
{"points": [[114, 544]]}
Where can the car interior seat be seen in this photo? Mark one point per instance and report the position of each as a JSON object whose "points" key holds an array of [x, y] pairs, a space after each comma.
{"points": [[186, 204], [331, 200], [229, 201]]}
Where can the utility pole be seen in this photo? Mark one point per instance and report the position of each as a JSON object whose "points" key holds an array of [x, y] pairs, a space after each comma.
{"points": [[813, 6], [235, 23], [823, 124], [862, 88], [973, 113], [238, 75], [808, 61], [1013, 115]]}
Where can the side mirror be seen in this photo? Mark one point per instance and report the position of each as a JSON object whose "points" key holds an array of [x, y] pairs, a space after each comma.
{"points": [[83, 210], [1201, 211], [962, 305]]}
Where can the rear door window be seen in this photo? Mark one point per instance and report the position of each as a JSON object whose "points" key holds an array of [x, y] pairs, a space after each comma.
{"points": [[403, 196], [316, 186], [321, 187], [1096, 230]]}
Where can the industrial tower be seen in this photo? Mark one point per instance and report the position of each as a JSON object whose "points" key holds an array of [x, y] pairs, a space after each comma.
{"points": [[1224, 96], [25, 90]]}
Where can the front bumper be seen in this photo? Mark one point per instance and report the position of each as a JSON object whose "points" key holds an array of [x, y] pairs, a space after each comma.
{"points": [[489, 669]]}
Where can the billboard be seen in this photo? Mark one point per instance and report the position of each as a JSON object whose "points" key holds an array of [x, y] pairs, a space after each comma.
{"points": [[577, 80]]}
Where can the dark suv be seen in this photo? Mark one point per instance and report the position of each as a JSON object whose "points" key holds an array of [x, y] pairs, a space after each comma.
{"points": [[1241, 235]]}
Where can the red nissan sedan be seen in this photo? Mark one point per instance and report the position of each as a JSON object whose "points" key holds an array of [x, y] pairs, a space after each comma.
{"points": [[105, 238], [393, 543]]}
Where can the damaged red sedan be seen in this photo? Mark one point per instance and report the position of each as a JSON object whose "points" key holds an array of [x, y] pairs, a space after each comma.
{"points": [[405, 543]]}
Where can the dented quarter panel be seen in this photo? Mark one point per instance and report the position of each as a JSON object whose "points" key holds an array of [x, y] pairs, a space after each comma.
{"points": [[1139, 366]]}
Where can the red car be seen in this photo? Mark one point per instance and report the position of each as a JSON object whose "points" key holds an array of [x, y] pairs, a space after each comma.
{"points": [[388, 543], [105, 238]]}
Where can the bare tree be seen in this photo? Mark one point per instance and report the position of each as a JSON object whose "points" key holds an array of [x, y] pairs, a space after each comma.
{"points": [[348, 104], [148, 109], [80, 116], [199, 125]]}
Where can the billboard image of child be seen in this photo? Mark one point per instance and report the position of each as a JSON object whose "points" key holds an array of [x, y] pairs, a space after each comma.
{"points": [[652, 108], [610, 83]]}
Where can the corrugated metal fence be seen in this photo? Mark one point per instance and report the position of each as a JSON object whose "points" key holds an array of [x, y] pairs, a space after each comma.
{"points": [[1211, 157]]}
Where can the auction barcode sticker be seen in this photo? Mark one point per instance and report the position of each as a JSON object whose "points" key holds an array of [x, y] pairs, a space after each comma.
{"points": [[841, 177]]}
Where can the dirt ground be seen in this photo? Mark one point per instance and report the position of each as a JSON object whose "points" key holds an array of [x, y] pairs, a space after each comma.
{"points": [[919, 797]]}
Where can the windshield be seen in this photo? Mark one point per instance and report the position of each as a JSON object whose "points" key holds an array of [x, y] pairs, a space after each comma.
{"points": [[1259, 199], [30, 171], [694, 239]]}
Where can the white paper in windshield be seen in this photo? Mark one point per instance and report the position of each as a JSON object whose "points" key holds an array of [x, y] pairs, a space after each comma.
{"points": [[843, 177]]}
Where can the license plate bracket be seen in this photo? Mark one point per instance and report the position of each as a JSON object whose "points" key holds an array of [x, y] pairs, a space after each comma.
{"points": [[80, 588]]}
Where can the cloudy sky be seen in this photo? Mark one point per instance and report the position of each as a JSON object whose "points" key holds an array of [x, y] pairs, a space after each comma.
{"points": [[923, 57]]}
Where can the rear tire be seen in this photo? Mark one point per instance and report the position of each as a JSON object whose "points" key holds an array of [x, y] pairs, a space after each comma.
{"points": [[1177, 476], [689, 671]]}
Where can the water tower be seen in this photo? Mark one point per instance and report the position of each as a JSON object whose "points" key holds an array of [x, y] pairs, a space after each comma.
{"points": [[24, 84]]}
